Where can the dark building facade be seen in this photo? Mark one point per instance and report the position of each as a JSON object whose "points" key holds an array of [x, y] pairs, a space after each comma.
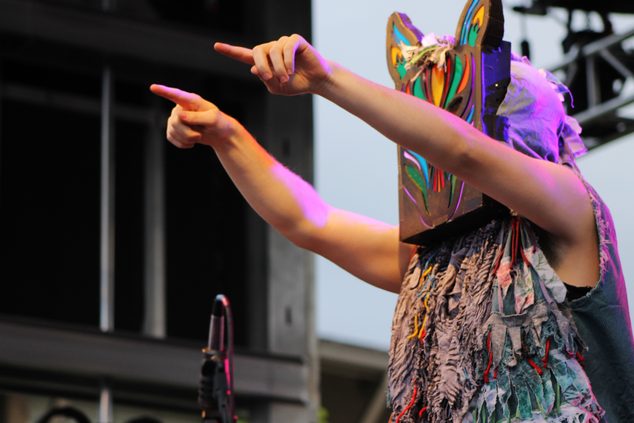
{"points": [[113, 243]]}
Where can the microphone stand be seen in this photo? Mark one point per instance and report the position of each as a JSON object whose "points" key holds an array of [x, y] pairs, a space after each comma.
{"points": [[215, 393]]}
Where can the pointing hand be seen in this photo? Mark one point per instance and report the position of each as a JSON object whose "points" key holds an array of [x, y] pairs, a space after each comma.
{"points": [[194, 119], [288, 66]]}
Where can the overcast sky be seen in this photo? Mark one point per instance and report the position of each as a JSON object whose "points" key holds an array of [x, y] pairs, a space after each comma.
{"points": [[356, 166]]}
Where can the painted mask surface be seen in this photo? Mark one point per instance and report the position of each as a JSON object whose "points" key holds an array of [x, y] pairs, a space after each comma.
{"points": [[467, 76]]}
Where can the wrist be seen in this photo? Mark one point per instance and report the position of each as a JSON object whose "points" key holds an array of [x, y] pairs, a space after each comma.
{"points": [[324, 84], [224, 133]]}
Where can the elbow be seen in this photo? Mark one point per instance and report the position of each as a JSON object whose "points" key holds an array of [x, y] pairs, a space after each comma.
{"points": [[301, 233], [306, 228]]}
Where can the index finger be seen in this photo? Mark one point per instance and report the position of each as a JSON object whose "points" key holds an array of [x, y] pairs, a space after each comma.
{"points": [[241, 54], [187, 100]]}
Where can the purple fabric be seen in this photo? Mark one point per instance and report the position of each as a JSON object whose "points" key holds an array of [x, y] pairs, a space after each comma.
{"points": [[538, 124], [534, 112]]}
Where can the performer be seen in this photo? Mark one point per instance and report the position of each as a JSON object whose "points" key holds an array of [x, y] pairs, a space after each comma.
{"points": [[482, 330]]}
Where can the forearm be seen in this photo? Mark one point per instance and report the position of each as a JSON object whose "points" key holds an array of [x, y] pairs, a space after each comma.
{"points": [[440, 136], [279, 196]]}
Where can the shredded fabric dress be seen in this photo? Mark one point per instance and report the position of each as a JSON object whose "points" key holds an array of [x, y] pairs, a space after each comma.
{"points": [[482, 333]]}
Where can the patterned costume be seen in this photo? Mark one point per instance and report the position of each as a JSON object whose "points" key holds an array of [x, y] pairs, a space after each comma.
{"points": [[483, 333]]}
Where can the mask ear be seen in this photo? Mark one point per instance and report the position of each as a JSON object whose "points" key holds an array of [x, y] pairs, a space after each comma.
{"points": [[479, 36], [400, 31], [481, 24]]}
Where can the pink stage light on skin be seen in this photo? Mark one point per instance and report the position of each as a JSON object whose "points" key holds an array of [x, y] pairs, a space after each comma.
{"points": [[312, 207]]}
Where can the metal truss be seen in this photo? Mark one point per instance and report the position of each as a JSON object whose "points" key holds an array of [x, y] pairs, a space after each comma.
{"points": [[603, 120]]}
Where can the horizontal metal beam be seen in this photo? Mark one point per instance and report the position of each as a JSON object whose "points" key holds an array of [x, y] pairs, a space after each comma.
{"points": [[114, 35], [622, 128], [72, 102], [142, 362], [592, 49], [600, 110], [608, 6]]}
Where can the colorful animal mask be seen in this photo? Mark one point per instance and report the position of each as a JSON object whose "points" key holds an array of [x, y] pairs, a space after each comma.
{"points": [[468, 77]]}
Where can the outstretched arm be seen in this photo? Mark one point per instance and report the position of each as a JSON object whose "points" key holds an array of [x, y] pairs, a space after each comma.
{"points": [[366, 248], [550, 195]]}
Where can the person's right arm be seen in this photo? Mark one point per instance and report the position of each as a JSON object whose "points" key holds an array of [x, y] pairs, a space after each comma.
{"points": [[368, 249]]}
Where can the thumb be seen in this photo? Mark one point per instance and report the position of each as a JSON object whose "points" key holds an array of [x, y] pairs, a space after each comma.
{"points": [[200, 119], [187, 100]]}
